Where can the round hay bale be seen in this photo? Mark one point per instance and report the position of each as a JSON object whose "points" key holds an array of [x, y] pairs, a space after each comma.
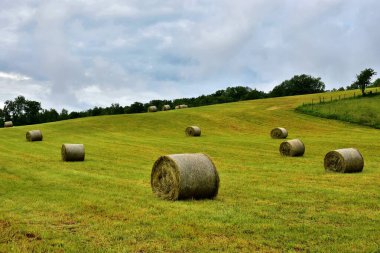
{"points": [[193, 131], [279, 133], [34, 135], [347, 160], [184, 176], [181, 106], [72, 152], [292, 148], [166, 108], [8, 124], [152, 108]]}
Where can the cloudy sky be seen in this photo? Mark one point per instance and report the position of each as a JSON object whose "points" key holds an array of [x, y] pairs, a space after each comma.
{"points": [[82, 53]]}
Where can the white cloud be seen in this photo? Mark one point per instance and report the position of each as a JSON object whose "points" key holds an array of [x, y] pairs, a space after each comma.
{"points": [[88, 53], [13, 76], [93, 95], [13, 85]]}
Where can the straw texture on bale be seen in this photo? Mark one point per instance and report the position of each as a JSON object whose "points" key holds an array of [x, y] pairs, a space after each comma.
{"points": [[279, 133], [8, 124], [292, 148], [184, 176], [72, 152], [181, 106], [347, 160], [193, 131], [152, 108], [34, 135], [166, 108]]}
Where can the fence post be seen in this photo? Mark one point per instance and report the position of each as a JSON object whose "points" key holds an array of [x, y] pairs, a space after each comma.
{"points": [[354, 94], [330, 98]]}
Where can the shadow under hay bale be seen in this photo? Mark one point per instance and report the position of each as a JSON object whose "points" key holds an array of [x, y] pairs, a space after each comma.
{"points": [[166, 108], [347, 160], [8, 124], [193, 131], [152, 108], [292, 148], [184, 176], [34, 135], [72, 152], [279, 133]]}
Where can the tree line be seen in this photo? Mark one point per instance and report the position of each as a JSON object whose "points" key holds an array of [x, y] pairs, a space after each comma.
{"points": [[26, 112]]}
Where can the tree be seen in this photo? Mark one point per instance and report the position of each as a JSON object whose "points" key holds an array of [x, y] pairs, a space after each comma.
{"points": [[376, 83], [64, 114], [22, 111], [364, 79], [49, 115], [237, 93], [254, 94], [136, 107], [1, 118], [115, 109], [32, 112], [298, 85]]}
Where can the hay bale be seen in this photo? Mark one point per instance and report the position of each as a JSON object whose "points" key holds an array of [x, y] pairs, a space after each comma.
{"points": [[34, 135], [176, 107], [152, 108], [72, 152], [8, 124], [279, 133], [193, 131], [184, 176], [166, 108], [347, 160], [292, 148], [181, 106]]}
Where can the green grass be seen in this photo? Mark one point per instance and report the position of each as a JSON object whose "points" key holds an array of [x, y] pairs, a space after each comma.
{"points": [[266, 202], [360, 110]]}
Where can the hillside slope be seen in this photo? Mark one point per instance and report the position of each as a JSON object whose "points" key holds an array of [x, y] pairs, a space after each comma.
{"points": [[266, 202]]}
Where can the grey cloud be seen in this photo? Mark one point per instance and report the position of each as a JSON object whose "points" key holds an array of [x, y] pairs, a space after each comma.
{"points": [[89, 53]]}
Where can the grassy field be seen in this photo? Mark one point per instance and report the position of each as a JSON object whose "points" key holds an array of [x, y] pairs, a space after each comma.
{"points": [[361, 110], [266, 202]]}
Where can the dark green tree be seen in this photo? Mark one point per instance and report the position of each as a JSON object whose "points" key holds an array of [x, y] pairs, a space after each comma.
{"points": [[1, 118], [32, 112], [49, 115], [136, 107], [237, 93], [96, 111], [254, 94], [115, 109], [376, 83], [22, 111], [364, 79], [64, 114], [298, 85]]}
